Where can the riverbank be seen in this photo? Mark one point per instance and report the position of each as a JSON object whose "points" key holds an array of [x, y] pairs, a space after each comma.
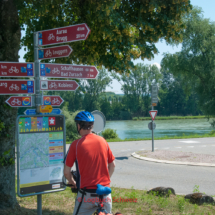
{"points": [[169, 117], [210, 134]]}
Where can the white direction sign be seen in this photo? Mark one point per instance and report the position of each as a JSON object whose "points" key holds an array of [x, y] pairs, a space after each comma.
{"points": [[153, 114]]}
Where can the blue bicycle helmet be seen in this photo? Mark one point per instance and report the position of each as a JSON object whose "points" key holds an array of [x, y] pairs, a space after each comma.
{"points": [[84, 116]]}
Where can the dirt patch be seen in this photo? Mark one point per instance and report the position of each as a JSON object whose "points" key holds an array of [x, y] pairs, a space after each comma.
{"points": [[178, 156]]}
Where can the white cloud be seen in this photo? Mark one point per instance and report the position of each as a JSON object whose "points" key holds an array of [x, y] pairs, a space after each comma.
{"points": [[157, 64]]}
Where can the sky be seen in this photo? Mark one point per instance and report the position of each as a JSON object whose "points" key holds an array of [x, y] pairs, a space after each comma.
{"points": [[208, 11]]}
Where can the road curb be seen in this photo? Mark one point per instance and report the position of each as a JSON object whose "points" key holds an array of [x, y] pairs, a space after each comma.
{"points": [[171, 162]]}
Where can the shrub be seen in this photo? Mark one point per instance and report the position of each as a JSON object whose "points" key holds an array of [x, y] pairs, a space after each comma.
{"points": [[109, 133]]}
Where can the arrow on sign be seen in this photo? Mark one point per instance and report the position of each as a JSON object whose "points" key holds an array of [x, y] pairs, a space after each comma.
{"points": [[52, 70], [54, 52], [153, 113], [52, 100], [33, 112], [19, 101], [62, 35]]}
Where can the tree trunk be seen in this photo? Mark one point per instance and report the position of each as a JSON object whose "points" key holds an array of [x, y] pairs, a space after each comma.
{"points": [[10, 34]]}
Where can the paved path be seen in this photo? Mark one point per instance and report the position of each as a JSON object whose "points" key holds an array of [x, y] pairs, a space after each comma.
{"points": [[131, 172]]}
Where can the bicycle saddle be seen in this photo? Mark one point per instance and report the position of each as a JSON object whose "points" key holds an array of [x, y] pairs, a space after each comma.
{"points": [[101, 190]]}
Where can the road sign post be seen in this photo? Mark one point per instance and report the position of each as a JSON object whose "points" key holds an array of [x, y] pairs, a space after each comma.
{"points": [[70, 33], [51, 70], [20, 101], [153, 114], [54, 52]]}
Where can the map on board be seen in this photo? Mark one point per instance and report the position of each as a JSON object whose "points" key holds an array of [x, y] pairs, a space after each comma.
{"points": [[56, 173], [34, 150]]}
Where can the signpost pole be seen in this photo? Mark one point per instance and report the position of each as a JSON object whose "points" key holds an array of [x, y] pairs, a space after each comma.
{"points": [[37, 102], [152, 133], [37, 74]]}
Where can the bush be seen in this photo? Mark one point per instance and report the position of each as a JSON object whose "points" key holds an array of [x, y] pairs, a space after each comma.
{"points": [[71, 130], [109, 134]]}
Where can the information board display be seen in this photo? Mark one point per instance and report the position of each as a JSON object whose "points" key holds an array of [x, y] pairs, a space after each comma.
{"points": [[41, 150]]}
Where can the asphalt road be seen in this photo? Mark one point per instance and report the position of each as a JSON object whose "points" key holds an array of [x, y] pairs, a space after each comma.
{"points": [[140, 174]]}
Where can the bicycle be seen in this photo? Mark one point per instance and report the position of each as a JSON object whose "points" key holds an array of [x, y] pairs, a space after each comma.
{"points": [[13, 87], [101, 191], [55, 70], [51, 37], [16, 101], [53, 85], [13, 69], [48, 53], [55, 101]]}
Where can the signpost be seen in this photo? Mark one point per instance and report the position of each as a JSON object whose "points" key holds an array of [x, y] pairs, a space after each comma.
{"points": [[70, 33], [14, 69], [46, 109], [154, 95], [67, 71], [19, 101], [34, 112], [55, 85], [54, 52], [16, 86], [153, 114], [52, 100]]}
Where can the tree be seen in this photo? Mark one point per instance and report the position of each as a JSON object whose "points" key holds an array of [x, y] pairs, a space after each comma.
{"points": [[120, 31], [195, 62], [93, 89], [137, 87]]}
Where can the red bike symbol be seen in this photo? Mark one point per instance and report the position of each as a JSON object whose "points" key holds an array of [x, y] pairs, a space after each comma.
{"points": [[53, 85], [13, 69], [16, 102], [13, 87], [51, 37], [55, 101], [55, 70], [48, 53]]}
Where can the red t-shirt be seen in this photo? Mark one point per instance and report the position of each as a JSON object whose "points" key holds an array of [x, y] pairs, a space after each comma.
{"points": [[91, 153]]}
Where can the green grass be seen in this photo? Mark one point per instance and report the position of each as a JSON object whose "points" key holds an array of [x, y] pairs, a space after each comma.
{"points": [[169, 117], [62, 203]]}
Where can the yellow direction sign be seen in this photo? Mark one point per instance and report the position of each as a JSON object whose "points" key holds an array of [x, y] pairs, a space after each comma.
{"points": [[45, 108], [154, 104]]}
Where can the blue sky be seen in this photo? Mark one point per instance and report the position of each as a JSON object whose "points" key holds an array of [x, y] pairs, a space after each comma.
{"points": [[208, 7]]}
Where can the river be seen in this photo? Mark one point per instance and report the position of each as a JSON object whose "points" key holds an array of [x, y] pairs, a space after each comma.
{"points": [[178, 127]]}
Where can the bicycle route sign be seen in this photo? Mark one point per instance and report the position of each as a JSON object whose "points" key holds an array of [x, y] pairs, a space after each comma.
{"points": [[68, 71], [14, 69], [70, 33], [33, 111], [16, 86], [54, 52], [55, 85], [19, 101], [52, 100]]}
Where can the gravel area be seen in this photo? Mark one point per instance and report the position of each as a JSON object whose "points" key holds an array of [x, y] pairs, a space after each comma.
{"points": [[178, 156]]}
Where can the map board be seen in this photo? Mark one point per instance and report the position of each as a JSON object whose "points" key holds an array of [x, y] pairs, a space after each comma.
{"points": [[40, 153]]}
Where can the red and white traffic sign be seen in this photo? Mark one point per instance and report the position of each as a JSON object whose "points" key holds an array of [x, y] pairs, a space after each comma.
{"points": [[14, 69], [153, 114], [55, 85], [54, 52], [70, 33], [19, 101], [52, 100], [16, 86], [67, 71]]}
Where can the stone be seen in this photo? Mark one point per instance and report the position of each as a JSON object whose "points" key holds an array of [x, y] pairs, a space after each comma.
{"points": [[200, 198], [162, 191]]}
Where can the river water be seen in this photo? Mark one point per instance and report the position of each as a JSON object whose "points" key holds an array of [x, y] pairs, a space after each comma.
{"points": [[179, 127]]}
